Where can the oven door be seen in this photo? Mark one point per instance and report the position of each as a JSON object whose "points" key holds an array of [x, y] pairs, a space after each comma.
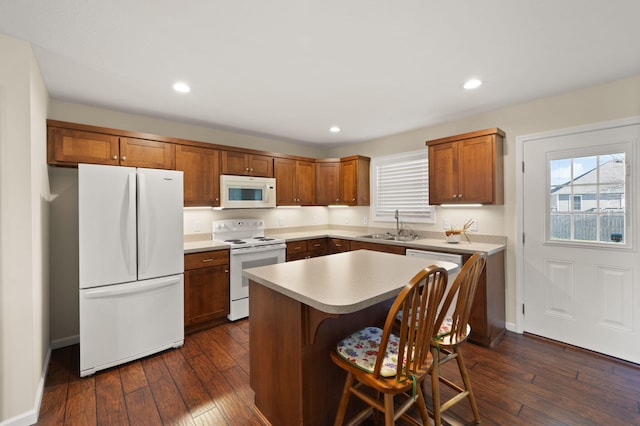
{"points": [[244, 258]]}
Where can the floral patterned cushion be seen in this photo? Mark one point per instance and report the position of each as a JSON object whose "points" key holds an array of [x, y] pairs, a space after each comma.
{"points": [[445, 330], [361, 349]]}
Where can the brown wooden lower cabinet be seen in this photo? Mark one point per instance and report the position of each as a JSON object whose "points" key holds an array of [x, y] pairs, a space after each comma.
{"points": [[206, 288], [387, 248], [488, 311], [338, 245], [305, 249]]}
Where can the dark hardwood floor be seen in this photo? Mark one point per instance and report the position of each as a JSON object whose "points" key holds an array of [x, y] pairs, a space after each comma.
{"points": [[522, 381]]}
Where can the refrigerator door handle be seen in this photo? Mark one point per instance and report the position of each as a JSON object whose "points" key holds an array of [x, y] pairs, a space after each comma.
{"points": [[140, 287], [143, 224], [129, 228]]}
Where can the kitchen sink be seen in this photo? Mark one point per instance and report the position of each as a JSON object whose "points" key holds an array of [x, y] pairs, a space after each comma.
{"points": [[389, 237]]}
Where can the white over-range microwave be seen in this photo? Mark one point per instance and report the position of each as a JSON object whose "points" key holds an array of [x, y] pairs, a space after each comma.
{"points": [[247, 192]]}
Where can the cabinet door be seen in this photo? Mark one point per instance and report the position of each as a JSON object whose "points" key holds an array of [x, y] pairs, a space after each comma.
{"points": [[206, 294], [148, 154], [285, 174], [201, 175], [305, 179], [327, 183], [70, 147], [476, 167], [443, 173], [260, 165], [238, 163], [233, 163], [354, 181]]}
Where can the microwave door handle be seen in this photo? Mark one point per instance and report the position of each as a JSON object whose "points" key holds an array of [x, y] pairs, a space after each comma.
{"points": [[266, 192]]}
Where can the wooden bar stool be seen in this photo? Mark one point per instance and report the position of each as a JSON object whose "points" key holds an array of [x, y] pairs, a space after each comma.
{"points": [[453, 332], [379, 362]]}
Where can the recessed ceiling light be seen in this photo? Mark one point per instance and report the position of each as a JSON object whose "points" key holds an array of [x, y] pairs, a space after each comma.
{"points": [[334, 129], [181, 87], [472, 83]]}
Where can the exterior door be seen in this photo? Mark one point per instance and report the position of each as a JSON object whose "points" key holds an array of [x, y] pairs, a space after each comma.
{"points": [[580, 254]]}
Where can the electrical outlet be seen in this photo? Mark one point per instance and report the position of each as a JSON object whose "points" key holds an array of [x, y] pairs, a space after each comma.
{"points": [[315, 219], [446, 223], [281, 221], [365, 220], [474, 225], [196, 227], [346, 220]]}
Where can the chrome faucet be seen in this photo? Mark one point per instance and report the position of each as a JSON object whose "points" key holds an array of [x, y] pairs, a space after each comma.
{"points": [[397, 216]]}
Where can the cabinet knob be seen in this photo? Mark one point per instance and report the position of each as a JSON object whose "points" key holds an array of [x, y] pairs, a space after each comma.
{"points": [[455, 196], [124, 158], [337, 199], [207, 260], [246, 169], [115, 157], [459, 195], [251, 169], [226, 271]]}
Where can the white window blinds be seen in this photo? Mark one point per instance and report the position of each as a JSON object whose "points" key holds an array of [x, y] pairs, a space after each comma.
{"points": [[401, 182]]}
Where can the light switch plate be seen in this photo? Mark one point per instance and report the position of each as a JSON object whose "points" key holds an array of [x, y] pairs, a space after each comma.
{"points": [[446, 224]]}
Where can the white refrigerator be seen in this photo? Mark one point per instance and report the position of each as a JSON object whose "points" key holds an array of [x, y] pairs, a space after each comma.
{"points": [[131, 264]]}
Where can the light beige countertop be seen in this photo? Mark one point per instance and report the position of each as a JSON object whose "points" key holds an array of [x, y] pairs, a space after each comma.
{"points": [[203, 245], [342, 283], [439, 244]]}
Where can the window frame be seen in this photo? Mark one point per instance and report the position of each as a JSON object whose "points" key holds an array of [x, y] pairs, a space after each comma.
{"points": [[628, 150], [378, 213]]}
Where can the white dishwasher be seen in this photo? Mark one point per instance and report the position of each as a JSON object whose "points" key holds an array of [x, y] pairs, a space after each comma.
{"points": [[434, 255]]}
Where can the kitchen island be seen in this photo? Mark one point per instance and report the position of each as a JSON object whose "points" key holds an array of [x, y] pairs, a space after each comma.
{"points": [[300, 310]]}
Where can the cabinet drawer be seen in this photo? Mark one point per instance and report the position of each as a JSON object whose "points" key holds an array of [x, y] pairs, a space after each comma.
{"points": [[295, 247], [318, 246], [338, 245], [206, 259]]}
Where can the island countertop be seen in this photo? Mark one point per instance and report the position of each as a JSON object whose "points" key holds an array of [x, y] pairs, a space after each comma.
{"points": [[343, 283]]}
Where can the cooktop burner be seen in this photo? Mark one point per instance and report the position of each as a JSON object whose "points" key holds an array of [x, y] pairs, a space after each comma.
{"points": [[263, 238], [235, 241]]}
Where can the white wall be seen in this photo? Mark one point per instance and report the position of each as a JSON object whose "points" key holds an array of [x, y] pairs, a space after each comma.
{"points": [[599, 103], [24, 195]]}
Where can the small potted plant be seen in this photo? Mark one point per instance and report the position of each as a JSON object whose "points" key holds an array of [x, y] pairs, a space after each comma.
{"points": [[454, 235]]}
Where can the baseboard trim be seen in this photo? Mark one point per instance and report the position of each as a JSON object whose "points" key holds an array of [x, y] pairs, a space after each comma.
{"points": [[64, 342], [31, 417], [511, 327]]}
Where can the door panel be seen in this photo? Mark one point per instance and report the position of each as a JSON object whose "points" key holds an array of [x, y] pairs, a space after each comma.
{"points": [[160, 223], [106, 224], [582, 285]]}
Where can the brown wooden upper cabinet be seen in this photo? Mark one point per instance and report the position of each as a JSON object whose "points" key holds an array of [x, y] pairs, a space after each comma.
{"points": [[201, 175], [240, 163], [69, 147], [327, 181], [295, 182], [467, 168], [354, 180]]}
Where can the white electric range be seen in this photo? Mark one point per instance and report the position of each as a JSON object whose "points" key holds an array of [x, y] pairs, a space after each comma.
{"points": [[249, 249]]}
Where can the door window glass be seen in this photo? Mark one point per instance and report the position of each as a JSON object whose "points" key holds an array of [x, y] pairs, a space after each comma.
{"points": [[588, 198]]}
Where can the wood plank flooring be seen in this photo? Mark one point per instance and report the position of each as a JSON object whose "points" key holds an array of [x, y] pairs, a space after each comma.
{"points": [[522, 381]]}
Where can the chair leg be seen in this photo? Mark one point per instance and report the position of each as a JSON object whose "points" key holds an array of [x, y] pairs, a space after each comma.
{"points": [[389, 412], [435, 387], [344, 400], [467, 385], [422, 406]]}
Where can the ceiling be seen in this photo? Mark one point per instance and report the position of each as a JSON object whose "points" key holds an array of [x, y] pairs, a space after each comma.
{"points": [[290, 69]]}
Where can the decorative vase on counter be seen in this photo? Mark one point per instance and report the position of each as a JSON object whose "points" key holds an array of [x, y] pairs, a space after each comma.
{"points": [[452, 236]]}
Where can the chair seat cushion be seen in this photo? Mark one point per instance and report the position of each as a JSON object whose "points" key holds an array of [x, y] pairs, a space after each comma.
{"points": [[361, 349], [444, 334]]}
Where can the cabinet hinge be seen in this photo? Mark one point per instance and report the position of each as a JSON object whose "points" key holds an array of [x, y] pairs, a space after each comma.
{"points": [[523, 309], [523, 238], [523, 167]]}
